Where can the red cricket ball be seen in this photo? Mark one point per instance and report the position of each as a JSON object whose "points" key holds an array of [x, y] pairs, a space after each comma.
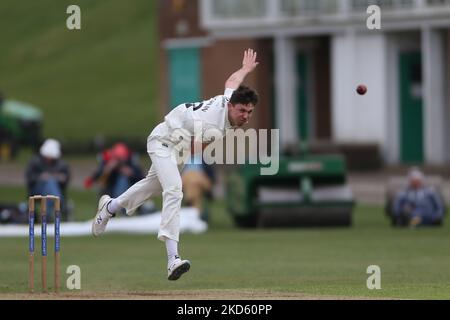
{"points": [[362, 89]]}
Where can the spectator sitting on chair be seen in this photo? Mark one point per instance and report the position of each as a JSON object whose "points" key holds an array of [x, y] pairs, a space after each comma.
{"points": [[47, 174], [197, 179], [118, 170], [417, 204]]}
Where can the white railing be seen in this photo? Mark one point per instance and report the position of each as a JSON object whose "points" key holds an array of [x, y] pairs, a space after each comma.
{"points": [[358, 5], [239, 9], [225, 13], [308, 7]]}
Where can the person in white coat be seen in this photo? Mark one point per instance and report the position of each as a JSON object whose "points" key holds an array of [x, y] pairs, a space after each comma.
{"points": [[175, 136]]}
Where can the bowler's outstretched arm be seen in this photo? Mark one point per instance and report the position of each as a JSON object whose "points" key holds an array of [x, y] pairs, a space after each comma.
{"points": [[248, 65]]}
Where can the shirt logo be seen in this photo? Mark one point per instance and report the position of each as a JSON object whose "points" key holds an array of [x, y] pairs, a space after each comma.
{"points": [[195, 106], [165, 145]]}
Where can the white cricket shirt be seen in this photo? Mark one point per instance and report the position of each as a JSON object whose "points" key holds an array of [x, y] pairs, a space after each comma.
{"points": [[205, 115]]}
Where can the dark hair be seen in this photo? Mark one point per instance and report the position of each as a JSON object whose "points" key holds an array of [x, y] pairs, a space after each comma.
{"points": [[244, 95]]}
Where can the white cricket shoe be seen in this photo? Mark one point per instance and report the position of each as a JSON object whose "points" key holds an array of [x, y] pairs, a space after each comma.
{"points": [[102, 217], [177, 268]]}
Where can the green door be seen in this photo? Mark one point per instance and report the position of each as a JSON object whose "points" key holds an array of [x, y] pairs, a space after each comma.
{"points": [[411, 110], [184, 75], [302, 97]]}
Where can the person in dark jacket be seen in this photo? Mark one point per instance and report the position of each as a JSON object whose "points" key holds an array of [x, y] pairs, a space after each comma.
{"points": [[47, 174]]}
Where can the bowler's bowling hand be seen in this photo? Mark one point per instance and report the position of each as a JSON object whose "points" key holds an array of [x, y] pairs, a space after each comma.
{"points": [[249, 62]]}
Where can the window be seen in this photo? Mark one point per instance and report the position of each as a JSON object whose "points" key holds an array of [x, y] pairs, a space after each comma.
{"points": [[238, 8]]}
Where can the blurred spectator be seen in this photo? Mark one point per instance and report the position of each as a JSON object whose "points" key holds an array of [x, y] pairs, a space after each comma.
{"points": [[198, 179], [418, 204], [47, 174], [117, 171]]}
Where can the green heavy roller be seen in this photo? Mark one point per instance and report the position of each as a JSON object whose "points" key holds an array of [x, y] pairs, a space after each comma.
{"points": [[308, 190]]}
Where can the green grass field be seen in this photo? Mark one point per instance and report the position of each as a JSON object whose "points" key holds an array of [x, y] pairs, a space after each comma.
{"points": [[301, 262], [99, 80], [102, 81]]}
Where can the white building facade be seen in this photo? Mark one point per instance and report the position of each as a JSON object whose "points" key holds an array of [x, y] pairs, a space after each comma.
{"points": [[405, 66]]}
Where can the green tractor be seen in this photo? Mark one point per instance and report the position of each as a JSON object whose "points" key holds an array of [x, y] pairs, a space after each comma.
{"points": [[20, 125], [308, 190]]}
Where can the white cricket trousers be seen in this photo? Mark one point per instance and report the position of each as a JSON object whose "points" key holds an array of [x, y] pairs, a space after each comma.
{"points": [[163, 177]]}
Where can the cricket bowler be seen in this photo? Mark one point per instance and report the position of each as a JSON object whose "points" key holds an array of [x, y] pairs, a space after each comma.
{"points": [[231, 110]]}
